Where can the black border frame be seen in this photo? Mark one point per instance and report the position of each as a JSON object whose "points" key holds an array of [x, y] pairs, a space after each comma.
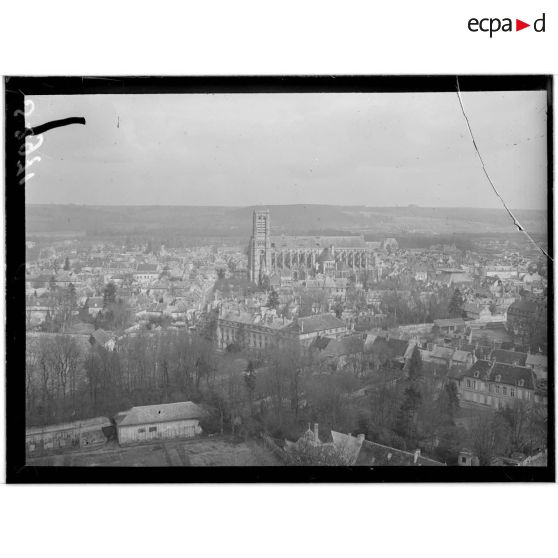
{"points": [[15, 89]]}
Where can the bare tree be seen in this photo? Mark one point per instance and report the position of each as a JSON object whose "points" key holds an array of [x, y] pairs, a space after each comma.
{"points": [[488, 437], [64, 358]]}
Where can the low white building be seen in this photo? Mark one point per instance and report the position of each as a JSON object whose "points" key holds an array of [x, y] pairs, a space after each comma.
{"points": [[318, 325], [157, 422], [82, 433]]}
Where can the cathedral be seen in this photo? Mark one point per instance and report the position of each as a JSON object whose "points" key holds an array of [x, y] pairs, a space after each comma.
{"points": [[301, 256]]}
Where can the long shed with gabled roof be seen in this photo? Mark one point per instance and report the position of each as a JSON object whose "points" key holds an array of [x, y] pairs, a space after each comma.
{"points": [[80, 433], [158, 422]]}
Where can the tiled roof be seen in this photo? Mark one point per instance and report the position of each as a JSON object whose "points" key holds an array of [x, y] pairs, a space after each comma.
{"points": [[455, 277], [395, 347], [509, 357], [319, 322], [150, 414], [512, 375], [540, 361], [349, 446], [239, 317], [482, 367], [398, 346], [373, 454], [442, 352], [461, 356], [146, 268], [82, 425]]}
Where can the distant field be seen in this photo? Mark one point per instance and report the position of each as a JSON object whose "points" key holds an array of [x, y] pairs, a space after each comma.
{"points": [[200, 452], [285, 219], [57, 234]]}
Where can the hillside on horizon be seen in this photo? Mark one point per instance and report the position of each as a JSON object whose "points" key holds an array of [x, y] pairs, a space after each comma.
{"points": [[285, 219]]}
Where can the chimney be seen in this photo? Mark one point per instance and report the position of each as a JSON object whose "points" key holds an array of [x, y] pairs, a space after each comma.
{"points": [[416, 456]]}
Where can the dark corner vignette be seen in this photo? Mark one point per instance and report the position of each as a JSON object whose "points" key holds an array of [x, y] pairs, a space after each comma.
{"points": [[16, 88]]}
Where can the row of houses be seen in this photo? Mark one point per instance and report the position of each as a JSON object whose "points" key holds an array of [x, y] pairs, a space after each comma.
{"points": [[490, 377], [495, 384], [346, 449]]}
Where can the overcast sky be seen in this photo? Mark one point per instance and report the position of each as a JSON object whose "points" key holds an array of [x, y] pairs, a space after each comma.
{"points": [[246, 149]]}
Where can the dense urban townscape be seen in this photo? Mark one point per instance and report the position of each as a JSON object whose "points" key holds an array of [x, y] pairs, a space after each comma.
{"points": [[327, 349]]}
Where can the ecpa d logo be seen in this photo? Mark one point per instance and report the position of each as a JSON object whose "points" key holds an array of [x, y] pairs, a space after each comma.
{"points": [[493, 25]]}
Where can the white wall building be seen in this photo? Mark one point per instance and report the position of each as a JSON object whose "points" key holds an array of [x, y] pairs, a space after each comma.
{"points": [[157, 422]]}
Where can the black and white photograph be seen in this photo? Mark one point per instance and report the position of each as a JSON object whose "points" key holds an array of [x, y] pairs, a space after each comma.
{"points": [[279, 279]]}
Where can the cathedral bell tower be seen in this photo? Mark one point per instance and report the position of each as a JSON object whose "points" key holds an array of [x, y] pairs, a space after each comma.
{"points": [[259, 252]]}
